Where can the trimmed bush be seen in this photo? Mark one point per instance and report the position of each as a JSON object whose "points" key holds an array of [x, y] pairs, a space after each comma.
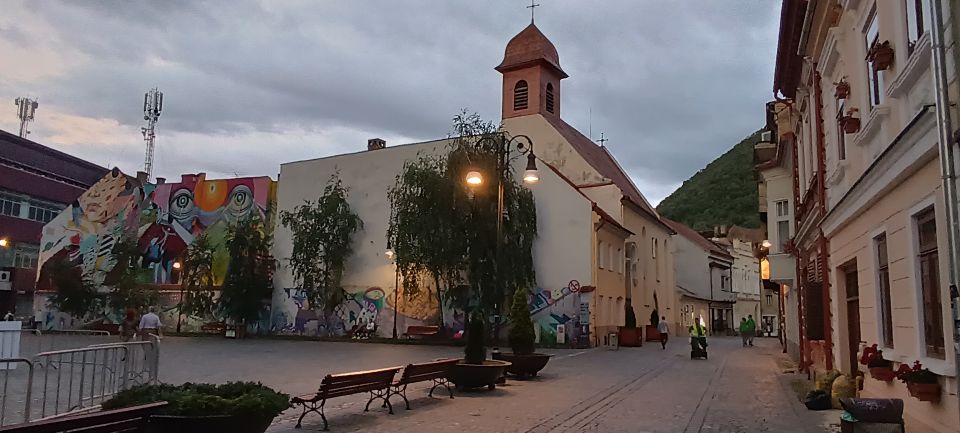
{"points": [[631, 316], [476, 351], [248, 399], [521, 336]]}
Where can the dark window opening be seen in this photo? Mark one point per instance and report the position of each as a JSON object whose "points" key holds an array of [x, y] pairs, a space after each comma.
{"points": [[550, 97], [520, 95], [929, 267]]}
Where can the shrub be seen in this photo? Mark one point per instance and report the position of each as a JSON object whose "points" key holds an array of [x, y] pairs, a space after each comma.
{"points": [[631, 318], [248, 399], [521, 334], [475, 352]]}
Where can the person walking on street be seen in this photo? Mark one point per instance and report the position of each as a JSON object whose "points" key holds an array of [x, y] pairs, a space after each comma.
{"points": [[150, 325], [663, 328], [38, 319], [743, 330], [128, 327], [751, 329]]}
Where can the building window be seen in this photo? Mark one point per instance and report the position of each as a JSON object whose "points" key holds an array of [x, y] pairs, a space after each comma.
{"points": [[783, 208], [600, 254], [916, 22], [619, 260], [520, 95], [883, 289], [9, 205], [927, 263], [783, 234], [769, 300], [654, 252], [609, 259], [871, 37], [841, 134], [24, 258], [42, 212], [550, 97]]}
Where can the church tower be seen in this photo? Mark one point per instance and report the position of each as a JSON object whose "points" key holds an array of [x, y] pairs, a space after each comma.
{"points": [[531, 75]]}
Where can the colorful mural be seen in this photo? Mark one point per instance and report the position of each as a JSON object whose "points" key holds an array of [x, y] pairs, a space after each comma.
{"points": [[551, 308], [166, 218]]}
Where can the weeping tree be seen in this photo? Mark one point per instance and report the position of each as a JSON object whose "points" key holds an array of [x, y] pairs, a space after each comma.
{"points": [[128, 279], [445, 231], [75, 295], [248, 281], [197, 279], [322, 234]]}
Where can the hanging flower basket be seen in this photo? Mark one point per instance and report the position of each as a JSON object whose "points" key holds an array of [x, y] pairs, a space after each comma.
{"points": [[880, 369], [883, 374], [850, 123], [881, 55], [842, 90], [923, 384], [924, 391]]}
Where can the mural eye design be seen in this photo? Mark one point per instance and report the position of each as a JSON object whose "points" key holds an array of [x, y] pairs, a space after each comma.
{"points": [[181, 204], [241, 201]]}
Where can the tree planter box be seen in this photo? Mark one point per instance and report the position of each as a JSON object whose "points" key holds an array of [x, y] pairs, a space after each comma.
{"points": [[885, 374], [653, 334], [467, 376], [207, 424], [630, 337], [523, 366], [924, 391]]}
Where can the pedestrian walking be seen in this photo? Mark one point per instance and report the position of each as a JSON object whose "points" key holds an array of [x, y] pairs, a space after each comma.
{"points": [[743, 330], [663, 327], [751, 329], [128, 326], [38, 319], [149, 325]]}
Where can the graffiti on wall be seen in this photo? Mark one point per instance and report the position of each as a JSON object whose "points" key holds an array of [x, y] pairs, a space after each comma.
{"points": [[551, 308], [165, 218]]}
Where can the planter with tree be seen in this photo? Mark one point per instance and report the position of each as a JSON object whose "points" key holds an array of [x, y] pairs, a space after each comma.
{"points": [[922, 383], [880, 369], [653, 334], [248, 284], [881, 55], [476, 371], [629, 335], [233, 407], [524, 362]]}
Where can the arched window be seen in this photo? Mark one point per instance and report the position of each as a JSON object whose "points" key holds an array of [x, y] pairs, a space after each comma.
{"points": [[520, 95], [550, 97]]}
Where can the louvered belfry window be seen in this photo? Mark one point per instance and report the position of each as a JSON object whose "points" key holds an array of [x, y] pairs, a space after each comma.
{"points": [[521, 95], [550, 97]]}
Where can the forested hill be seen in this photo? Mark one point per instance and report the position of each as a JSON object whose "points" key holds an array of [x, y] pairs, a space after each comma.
{"points": [[722, 193]]}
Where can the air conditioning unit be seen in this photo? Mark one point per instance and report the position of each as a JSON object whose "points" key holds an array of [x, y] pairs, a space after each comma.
{"points": [[765, 136], [4, 276]]}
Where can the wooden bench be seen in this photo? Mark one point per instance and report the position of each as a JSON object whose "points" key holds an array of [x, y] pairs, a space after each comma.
{"points": [[422, 330], [128, 419], [376, 382], [214, 327], [437, 371]]}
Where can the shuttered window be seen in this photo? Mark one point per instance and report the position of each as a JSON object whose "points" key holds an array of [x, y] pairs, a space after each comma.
{"points": [[521, 95]]}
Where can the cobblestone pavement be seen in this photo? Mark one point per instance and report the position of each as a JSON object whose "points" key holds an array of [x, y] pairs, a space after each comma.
{"points": [[599, 390]]}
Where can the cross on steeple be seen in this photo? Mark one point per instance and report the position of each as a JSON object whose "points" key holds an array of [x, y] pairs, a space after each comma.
{"points": [[532, 7], [602, 140]]}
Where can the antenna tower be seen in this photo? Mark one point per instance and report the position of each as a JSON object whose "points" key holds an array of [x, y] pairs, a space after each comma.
{"points": [[152, 105], [26, 107]]}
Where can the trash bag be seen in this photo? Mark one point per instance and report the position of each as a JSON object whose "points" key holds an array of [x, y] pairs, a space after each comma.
{"points": [[843, 387], [817, 400]]}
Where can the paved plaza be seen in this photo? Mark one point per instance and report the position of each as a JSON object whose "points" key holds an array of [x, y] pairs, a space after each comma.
{"points": [[598, 390]]}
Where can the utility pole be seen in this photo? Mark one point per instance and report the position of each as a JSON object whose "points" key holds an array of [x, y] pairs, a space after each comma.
{"points": [[152, 105], [26, 108]]}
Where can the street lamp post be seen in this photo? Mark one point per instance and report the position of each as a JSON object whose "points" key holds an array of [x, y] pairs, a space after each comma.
{"points": [[503, 148]]}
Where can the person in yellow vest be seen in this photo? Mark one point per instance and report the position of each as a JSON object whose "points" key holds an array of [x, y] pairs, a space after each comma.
{"points": [[698, 335]]}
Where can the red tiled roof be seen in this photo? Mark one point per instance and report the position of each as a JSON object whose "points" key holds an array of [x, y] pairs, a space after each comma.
{"points": [[696, 238], [606, 217], [528, 47]]}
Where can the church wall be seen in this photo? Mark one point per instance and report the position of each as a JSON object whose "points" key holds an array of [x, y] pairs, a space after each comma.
{"points": [[550, 146], [562, 253], [651, 274]]}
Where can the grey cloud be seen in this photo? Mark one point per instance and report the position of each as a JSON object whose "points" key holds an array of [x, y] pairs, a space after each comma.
{"points": [[673, 84]]}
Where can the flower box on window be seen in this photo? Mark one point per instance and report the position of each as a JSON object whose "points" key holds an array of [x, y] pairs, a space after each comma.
{"points": [[881, 55], [842, 90], [880, 369], [850, 123], [923, 384]]}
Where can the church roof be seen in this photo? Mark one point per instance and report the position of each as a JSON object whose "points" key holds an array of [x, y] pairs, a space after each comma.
{"points": [[528, 47], [702, 242]]}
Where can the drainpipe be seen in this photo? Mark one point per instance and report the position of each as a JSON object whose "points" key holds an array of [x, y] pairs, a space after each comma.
{"points": [[947, 169]]}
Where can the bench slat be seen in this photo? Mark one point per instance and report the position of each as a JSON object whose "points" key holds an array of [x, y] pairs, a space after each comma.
{"points": [[426, 371], [125, 419]]}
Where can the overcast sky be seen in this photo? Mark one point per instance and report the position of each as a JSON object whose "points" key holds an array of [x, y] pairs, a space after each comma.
{"points": [[251, 84]]}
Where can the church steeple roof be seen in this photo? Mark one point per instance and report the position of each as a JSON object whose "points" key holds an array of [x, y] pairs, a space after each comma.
{"points": [[529, 47]]}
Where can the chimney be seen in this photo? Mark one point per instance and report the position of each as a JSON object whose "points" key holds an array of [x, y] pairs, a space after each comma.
{"points": [[161, 180], [376, 143], [142, 177]]}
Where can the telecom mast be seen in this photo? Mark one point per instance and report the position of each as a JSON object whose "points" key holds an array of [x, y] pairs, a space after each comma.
{"points": [[152, 105], [25, 110]]}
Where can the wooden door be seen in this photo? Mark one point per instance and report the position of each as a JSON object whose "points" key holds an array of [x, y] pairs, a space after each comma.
{"points": [[852, 290]]}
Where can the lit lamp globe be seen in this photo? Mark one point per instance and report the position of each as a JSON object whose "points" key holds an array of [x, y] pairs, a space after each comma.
{"points": [[474, 178], [766, 244], [530, 175]]}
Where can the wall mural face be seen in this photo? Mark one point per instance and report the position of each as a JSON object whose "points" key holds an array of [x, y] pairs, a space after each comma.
{"points": [[166, 218]]}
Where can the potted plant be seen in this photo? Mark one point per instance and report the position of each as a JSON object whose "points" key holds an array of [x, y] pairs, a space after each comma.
{"points": [[842, 90], [850, 122], [524, 362], [476, 371], [880, 369], [629, 335], [881, 55], [651, 330], [240, 407], [922, 383]]}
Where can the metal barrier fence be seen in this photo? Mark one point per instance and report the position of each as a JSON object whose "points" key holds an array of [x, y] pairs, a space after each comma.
{"points": [[60, 382]]}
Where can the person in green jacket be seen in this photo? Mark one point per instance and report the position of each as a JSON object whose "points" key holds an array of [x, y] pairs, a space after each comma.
{"points": [[743, 331], [751, 329]]}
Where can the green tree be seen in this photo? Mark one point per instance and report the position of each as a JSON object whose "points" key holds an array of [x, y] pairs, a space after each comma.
{"points": [[522, 336], [248, 282], [197, 279], [475, 351], [74, 295], [322, 234], [127, 280]]}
